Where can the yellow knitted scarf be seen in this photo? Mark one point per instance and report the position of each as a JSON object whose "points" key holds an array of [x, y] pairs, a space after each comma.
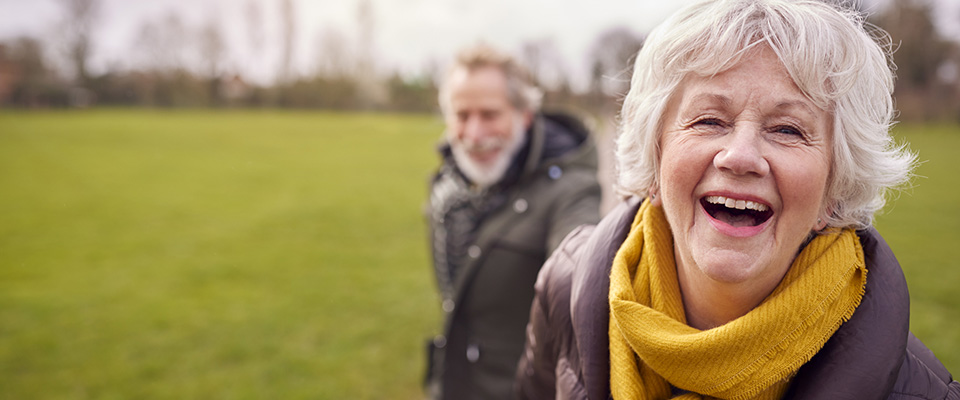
{"points": [[752, 357]]}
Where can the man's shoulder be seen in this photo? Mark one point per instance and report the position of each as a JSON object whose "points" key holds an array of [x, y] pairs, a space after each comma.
{"points": [[567, 141]]}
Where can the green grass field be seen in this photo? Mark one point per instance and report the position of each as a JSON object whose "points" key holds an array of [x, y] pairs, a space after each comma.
{"points": [[922, 227], [248, 255]]}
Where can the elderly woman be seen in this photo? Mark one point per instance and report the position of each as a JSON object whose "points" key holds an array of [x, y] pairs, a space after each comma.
{"points": [[756, 133]]}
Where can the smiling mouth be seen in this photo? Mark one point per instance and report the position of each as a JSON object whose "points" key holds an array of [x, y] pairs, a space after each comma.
{"points": [[737, 213]]}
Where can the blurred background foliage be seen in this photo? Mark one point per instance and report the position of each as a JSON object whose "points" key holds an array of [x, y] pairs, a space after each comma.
{"points": [[174, 64]]}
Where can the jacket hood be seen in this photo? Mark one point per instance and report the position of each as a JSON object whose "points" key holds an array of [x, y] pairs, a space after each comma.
{"points": [[558, 138]]}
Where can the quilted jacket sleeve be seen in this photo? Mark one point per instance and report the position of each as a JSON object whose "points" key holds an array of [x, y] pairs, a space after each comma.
{"points": [[922, 376], [549, 332]]}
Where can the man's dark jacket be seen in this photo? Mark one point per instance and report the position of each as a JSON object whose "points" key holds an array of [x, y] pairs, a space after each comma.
{"points": [[551, 189], [872, 356]]}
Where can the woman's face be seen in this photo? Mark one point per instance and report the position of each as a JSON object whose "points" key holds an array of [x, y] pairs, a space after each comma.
{"points": [[745, 159]]}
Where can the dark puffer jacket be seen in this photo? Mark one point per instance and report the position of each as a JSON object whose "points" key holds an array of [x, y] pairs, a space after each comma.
{"points": [[487, 290], [871, 356]]}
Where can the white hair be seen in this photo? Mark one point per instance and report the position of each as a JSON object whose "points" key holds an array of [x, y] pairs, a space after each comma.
{"points": [[831, 56], [522, 93]]}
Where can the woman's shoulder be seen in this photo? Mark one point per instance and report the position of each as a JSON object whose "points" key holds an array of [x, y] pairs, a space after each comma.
{"points": [[566, 337], [923, 376], [876, 342], [557, 271], [583, 251]]}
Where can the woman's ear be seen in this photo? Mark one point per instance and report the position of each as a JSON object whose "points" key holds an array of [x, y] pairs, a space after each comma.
{"points": [[654, 196], [821, 223], [823, 218]]}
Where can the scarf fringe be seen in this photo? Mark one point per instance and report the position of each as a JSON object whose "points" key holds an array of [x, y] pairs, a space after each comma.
{"points": [[796, 334], [808, 323], [807, 355]]}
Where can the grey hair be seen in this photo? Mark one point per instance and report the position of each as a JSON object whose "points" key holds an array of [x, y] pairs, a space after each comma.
{"points": [[840, 63], [522, 93]]}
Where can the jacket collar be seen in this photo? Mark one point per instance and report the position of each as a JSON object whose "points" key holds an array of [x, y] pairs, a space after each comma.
{"points": [[861, 360], [589, 310]]}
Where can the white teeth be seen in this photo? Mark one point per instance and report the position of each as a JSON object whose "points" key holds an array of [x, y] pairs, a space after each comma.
{"points": [[738, 204]]}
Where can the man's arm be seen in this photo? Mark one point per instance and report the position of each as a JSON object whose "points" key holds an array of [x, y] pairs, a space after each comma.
{"points": [[578, 205]]}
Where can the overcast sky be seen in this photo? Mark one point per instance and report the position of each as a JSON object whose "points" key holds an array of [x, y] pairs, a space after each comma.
{"points": [[408, 34]]}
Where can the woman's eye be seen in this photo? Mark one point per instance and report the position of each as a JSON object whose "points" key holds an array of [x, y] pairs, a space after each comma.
{"points": [[788, 130], [709, 122]]}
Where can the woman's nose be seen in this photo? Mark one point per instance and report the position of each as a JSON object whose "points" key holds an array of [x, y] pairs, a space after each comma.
{"points": [[742, 153]]}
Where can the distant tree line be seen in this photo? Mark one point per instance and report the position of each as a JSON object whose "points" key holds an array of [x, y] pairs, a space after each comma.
{"points": [[928, 65], [173, 64]]}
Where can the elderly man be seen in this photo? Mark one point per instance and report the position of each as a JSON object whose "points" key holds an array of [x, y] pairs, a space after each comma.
{"points": [[513, 182]]}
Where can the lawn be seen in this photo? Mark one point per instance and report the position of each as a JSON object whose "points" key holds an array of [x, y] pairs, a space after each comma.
{"points": [[922, 227], [248, 255], [197, 255]]}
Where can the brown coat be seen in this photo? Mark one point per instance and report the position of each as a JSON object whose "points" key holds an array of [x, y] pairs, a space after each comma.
{"points": [[871, 356]]}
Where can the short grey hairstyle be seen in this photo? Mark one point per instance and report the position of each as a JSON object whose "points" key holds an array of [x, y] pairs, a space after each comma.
{"points": [[838, 61], [522, 93]]}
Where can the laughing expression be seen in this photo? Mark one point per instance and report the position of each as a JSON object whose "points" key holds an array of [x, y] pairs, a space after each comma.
{"points": [[745, 159]]}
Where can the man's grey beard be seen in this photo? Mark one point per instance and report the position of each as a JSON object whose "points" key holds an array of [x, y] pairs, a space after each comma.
{"points": [[485, 176]]}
